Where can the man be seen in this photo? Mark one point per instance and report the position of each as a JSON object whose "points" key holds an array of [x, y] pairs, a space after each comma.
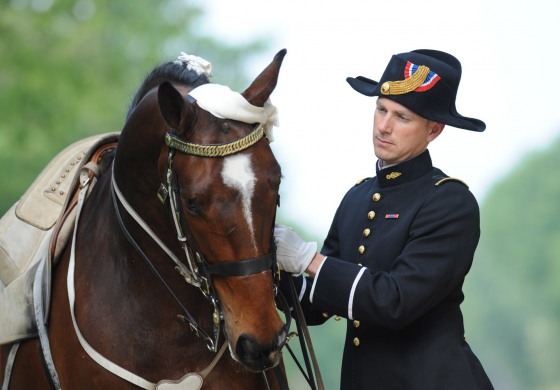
{"points": [[401, 243]]}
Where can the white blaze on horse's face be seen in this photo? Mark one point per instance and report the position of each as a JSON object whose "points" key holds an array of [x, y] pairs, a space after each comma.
{"points": [[237, 173]]}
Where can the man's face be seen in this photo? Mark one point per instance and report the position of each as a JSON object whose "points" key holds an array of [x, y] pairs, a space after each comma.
{"points": [[400, 134]]}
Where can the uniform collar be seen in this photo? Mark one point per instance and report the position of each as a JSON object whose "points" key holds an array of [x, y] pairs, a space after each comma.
{"points": [[406, 171]]}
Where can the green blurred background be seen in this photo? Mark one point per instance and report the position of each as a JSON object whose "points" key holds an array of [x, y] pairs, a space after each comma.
{"points": [[70, 68]]}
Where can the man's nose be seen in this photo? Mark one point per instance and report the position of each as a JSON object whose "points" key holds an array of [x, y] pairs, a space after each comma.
{"points": [[383, 125]]}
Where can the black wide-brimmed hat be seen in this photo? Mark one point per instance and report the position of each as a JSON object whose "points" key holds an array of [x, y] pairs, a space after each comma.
{"points": [[424, 81]]}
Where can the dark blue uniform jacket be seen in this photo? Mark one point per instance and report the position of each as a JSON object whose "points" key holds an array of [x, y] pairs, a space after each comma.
{"points": [[399, 248]]}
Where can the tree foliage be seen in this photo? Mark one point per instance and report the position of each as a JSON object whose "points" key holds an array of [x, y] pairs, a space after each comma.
{"points": [[513, 295], [70, 68]]}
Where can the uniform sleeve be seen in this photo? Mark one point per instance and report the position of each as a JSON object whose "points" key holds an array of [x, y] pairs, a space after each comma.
{"points": [[330, 245], [432, 265]]}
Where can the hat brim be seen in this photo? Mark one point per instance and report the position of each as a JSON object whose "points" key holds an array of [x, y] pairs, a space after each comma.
{"points": [[370, 87], [462, 122], [363, 85]]}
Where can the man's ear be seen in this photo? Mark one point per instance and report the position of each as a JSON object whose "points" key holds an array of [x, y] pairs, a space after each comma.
{"points": [[436, 129]]}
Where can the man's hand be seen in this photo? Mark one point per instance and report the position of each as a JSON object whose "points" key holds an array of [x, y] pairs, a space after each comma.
{"points": [[292, 252]]}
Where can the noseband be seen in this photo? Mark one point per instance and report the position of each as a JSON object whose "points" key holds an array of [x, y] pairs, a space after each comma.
{"points": [[198, 272]]}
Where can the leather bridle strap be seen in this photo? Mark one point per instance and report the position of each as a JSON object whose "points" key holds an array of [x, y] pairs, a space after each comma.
{"points": [[135, 245], [242, 268]]}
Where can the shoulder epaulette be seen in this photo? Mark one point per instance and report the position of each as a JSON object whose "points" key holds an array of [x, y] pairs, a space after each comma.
{"points": [[448, 179], [362, 180]]}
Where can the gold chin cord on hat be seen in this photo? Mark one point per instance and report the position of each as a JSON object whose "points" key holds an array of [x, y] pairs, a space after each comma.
{"points": [[407, 85]]}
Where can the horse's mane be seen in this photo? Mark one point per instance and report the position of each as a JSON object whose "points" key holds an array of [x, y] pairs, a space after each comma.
{"points": [[174, 71]]}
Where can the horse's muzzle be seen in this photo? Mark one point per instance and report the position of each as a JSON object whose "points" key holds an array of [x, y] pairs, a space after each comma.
{"points": [[257, 357]]}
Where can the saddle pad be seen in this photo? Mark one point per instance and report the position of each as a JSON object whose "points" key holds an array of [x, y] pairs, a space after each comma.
{"points": [[42, 204], [25, 235], [24, 226]]}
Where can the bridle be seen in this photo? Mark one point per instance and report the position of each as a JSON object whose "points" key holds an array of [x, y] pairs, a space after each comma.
{"points": [[197, 271]]}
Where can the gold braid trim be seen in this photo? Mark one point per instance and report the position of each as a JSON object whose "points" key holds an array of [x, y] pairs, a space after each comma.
{"points": [[446, 179], [407, 85], [215, 150]]}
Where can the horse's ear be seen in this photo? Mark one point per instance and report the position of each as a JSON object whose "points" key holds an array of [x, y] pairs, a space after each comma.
{"points": [[261, 88], [171, 104]]}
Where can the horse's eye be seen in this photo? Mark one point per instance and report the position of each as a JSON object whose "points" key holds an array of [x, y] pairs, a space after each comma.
{"points": [[224, 128], [192, 205]]}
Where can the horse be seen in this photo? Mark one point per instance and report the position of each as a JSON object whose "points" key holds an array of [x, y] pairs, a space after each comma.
{"points": [[172, 250]]}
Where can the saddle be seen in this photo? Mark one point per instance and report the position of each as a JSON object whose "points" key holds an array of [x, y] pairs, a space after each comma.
{"points": [[36, 229]]}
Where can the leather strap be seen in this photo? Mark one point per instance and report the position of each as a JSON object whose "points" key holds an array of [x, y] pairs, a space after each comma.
{"points": [[242, 268], [40, 322], [9, 366], [186, 314], [96, 356], [302, 327]]}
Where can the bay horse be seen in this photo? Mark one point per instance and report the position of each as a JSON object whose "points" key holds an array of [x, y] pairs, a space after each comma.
{"points": [[172, 260]]}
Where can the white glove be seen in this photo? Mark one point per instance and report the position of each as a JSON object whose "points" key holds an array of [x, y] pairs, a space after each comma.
{"points": [[292, 252]]}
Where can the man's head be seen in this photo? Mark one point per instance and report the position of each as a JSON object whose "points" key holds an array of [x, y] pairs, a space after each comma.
{"points": [[400, 134], [425, 82]]}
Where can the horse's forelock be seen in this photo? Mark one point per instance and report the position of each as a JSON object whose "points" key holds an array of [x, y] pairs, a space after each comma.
{"points": [[174, 71]]}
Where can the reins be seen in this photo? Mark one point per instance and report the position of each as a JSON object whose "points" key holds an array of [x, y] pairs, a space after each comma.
{"points": [[85, 183], [186, 315], [316, 383]]}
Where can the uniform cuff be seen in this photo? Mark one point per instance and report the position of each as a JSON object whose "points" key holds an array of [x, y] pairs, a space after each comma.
{"points": [[315, 280], [334, 287]]}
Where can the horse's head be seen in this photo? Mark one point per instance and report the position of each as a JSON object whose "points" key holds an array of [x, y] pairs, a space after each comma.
{"points": [[222, 180]]}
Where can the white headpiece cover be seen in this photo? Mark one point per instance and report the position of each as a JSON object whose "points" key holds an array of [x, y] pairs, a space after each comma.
{"points": [[223, 103], [196, 64]]}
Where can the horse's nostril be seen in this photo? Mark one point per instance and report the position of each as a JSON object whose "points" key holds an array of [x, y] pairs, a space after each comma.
{"points": [[253, 355], [247, 348]]}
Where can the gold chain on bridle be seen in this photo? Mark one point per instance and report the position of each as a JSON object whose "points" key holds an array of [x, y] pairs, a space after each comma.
{"points": [[215, 150]]}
